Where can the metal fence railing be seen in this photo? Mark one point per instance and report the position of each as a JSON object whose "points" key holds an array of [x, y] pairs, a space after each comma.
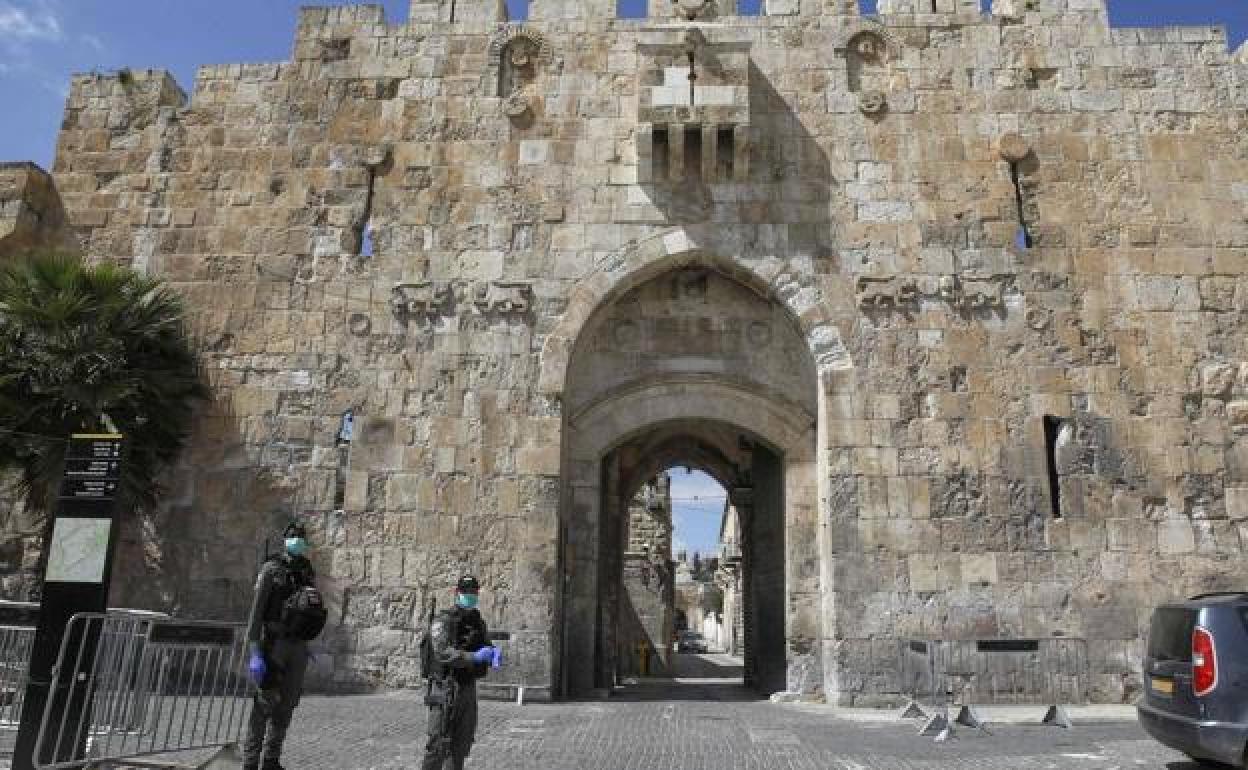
{"points": [[128, 686], [937, 675], [15, 646], [523, 669]]}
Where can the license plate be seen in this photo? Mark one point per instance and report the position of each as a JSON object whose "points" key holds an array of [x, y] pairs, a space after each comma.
{"points": [[1163, 686]]}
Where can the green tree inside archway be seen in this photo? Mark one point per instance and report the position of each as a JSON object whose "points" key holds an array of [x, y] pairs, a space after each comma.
{"points": [[90, 348]]}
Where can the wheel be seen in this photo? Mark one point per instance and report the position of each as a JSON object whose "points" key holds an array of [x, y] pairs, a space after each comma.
{"points": [[1208, 762]]}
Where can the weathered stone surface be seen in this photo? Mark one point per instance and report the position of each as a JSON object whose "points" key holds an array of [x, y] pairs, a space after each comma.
{"points": [[31, 215], [837, 311]]}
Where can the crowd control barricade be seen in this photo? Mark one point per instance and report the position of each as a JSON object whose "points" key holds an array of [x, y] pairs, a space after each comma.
{"points": [[521, 673], [128, 686], [17, 635], [940, 675]]}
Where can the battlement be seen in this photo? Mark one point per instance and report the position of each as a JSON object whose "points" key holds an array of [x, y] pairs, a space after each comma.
{"points": [[31, 215], [152, 87]]}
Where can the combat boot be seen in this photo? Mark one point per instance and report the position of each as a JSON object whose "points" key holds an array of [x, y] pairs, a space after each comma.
{"points": [[272, 764]]}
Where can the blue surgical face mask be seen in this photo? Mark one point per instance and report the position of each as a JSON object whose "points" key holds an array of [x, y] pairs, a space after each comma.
{"points": [[296, 546], [466, 601]]}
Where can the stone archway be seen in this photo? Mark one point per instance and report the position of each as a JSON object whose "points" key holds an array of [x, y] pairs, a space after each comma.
{"points": [[694, 359]]}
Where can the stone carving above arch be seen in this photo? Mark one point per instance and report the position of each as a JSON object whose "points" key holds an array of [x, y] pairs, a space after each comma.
{"points": [[796, 291], [868, 39], [966, 294], [508, 33], [517, 55]]}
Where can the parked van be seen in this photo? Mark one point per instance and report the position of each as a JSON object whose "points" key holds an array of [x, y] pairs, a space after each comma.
{"points": [[1196, 678]]}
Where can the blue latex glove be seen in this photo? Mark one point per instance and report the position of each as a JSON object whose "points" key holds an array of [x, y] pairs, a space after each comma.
{"points": [[256, 668], [483, 655], [496, 661]]}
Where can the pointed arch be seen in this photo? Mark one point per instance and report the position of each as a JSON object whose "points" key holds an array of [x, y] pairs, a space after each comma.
{"points": [[771, 277]]}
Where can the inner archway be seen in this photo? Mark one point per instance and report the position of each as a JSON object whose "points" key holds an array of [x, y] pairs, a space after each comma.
{"points": [[693, 368]]}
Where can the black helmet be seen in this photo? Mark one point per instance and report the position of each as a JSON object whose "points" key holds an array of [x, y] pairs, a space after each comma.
{"points": [[468, 585], [295, 529]]}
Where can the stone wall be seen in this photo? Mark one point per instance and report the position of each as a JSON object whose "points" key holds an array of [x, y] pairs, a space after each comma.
{"points": [[869, 177], [648, 580], [31, 216]]}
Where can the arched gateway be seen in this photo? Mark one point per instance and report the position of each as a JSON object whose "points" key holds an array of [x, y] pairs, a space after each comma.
{"points": [[691, 359]]}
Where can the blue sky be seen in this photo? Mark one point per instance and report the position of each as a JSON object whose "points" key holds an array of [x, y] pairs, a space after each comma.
{"points": [[696, 520], [43, 41]]}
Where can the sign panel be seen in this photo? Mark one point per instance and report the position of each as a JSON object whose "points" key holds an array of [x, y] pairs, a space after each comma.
{"points": [[99, 446], [92, 467], [79, 550]]}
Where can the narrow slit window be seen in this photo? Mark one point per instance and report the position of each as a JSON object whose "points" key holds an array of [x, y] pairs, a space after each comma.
{"points": [[346, 431], [693, 152], [661, 153], [725, 152], [364, 230], [1022, 238], [1054, 428]]}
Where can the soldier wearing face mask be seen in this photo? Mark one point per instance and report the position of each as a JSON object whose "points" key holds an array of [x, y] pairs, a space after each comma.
{"points": [[456, 653], [286, 613]]}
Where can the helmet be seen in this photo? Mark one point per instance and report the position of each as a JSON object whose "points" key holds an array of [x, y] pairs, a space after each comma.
{"points": [[468, 585], [295, 529]]}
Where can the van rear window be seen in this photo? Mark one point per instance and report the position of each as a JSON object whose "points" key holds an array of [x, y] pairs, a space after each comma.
{"points": [[1170, 636]]}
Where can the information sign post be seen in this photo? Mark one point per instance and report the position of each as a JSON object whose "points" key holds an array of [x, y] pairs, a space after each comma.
{"points": [[76, 579]]}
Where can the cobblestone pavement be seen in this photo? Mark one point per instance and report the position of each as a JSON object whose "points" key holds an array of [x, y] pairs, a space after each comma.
{"points": [[694, 722]]}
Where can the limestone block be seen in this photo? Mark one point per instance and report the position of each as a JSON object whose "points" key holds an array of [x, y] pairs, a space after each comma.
{"points": [[1175, 536], [1237, 414], [934, 572], [979, 569], [1216, 379]]}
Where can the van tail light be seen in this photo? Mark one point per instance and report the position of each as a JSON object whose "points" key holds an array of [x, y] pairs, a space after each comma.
{"points": [[1204, 662]]}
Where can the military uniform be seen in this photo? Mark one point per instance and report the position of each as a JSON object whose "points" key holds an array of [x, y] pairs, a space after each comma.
{"points": [[455, 635], [286, 659]]}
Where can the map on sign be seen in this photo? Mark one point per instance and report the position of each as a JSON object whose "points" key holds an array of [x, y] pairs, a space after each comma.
{"points": [[79, 550]]}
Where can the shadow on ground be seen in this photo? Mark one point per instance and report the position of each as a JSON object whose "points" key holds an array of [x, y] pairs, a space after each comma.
{"points": [[706, 677]]}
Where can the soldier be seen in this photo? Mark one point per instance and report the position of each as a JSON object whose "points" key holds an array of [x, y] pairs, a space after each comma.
{"points": [[458, 653], [286, 613]]}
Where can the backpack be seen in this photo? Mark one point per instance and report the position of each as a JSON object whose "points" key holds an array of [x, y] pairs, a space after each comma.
{"points": [[302, 614]]}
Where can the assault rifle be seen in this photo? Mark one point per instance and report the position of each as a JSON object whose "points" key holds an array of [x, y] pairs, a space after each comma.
{"points": [[441, 701]]}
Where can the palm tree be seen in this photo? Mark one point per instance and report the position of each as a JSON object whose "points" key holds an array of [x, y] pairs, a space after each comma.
{"points": [[90, 349]]}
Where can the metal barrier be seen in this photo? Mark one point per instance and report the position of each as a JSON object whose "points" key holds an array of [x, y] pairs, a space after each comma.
{"points": [[127, 686], [17, 636], [939, 674], [521, 672], [15, 645]]}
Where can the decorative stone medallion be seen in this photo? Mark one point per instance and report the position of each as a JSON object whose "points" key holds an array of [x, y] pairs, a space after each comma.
{"points": [[1013, 147], [872, 102]]}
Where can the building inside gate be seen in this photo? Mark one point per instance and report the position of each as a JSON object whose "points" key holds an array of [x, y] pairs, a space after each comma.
{"points": [[949, 301]]}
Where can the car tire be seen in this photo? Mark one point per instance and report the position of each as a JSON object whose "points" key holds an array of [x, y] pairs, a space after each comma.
{"points": [[1211, 763]]}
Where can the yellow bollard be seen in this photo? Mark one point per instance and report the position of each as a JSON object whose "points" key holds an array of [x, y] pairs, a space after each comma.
{"points": [[643, 658]]}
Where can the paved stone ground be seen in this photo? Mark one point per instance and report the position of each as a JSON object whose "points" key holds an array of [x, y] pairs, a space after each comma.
{"points": [[697, 722]]}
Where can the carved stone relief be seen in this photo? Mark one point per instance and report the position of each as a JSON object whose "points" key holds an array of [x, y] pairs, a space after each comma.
{"points": [[872, 102], [417, 300], [502, 298], [517, 56], [428, 299], [964, 294]]}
